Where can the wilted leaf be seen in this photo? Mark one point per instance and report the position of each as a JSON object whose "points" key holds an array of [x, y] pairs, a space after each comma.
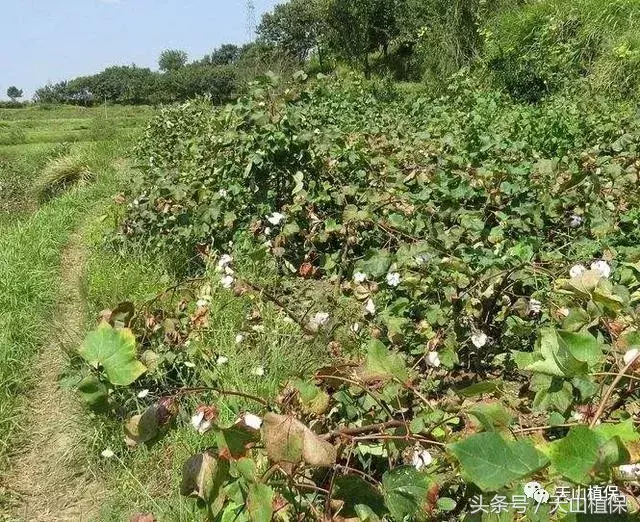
{"points": [[234, 442], [143, 428], [202, 476], [115, 351], [288, 440]]}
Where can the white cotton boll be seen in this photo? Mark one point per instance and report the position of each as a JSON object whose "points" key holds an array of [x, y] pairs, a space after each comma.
{"points": [[535, 306], [222, 193], [629, 471], [222, 360], [359, 277], [370, 307], [202, 302], [320, 319], [433, 359], [602, 268], [253, 421], [227, 282], [258, 371], [575, 221], [631, 356], [142, 394], [393, 279], [421, 459], [225, 260], [240, 338], [479, 339], [577, 271], [276, 218], [200, 424], [355, 328], [108, 454], [189, 364], [267, 231]]}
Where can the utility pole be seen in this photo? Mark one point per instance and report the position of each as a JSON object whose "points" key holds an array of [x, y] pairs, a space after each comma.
{"points": [[251, 19]]}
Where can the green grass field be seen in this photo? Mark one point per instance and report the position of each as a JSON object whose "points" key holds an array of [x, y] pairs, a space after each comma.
{"points": [[34, 231]]}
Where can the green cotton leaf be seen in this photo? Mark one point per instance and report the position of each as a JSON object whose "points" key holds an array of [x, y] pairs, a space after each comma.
{"points": [[115, 351], [358, 496], [312, 398], [566, 354], [585, 455], [625, 430], [260, 502], [375, 264], [491, 463], [405, 490], [383, 364], [491, 416], [94, 393]]}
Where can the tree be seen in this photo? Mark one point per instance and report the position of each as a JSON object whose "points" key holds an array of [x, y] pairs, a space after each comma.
{"points": [[296, 27], [14, 93], [226, 54], [359, 27], [172, 60]]}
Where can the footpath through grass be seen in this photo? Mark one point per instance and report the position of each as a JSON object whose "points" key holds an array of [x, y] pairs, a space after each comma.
{"points": [[32, 237]]}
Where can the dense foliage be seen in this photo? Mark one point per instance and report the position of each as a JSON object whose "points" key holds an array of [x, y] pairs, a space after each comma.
{"points": [[488, 254]]}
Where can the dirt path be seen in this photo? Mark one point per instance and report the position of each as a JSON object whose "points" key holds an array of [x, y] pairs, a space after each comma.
{"points": [[51, 479]]}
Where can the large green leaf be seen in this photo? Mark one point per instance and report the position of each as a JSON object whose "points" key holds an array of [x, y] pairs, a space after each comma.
{"points": [[586, 455], [115, 351], [405, 491], [260, 502], [566, 354], [358, 496], [383, 364], [491, 462]]}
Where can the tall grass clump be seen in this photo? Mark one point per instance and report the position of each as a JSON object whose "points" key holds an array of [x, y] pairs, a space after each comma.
{"points": [[546, 46], [62, 172]]}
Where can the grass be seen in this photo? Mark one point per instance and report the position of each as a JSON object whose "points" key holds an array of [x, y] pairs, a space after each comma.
{"points": [[147, 479], [32, 239]]}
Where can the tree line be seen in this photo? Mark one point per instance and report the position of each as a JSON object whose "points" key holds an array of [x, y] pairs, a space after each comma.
{"points": [[403, 39]]}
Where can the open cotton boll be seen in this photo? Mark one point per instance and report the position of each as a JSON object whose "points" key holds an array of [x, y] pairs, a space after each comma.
{"points": [[200, 423], [225, 260], [253, 421], [479, 339], [222, 360], [258, 371], [276, 218], [227, 281], [359, 277], [535, 306], [433, 360], [142, 394], [630, 356], [421, 459], [393, 279], [577, 271], [108, 454], [370, 307], [602, 268]]}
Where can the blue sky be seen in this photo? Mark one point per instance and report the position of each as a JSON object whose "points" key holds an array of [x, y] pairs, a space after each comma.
{"points": [[46, 41]]}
